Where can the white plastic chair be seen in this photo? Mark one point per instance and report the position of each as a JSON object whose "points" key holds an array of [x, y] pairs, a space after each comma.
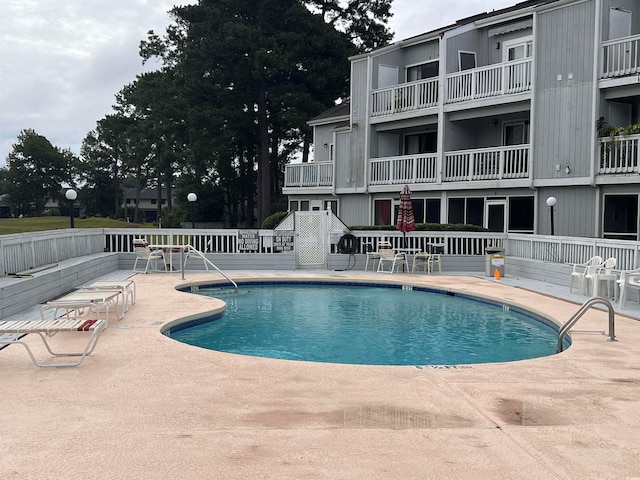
{"points": [[603, 273], [579, 271], [629, 280], [374, 254], [387, 255], [143, 252]]}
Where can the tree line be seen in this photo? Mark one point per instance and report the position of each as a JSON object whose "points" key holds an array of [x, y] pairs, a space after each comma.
{"points": [[226, 110]]}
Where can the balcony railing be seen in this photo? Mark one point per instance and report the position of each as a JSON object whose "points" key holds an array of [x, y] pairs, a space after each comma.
{"points": [[490, 81], [621, 57], [494, 163], [619, 155], [407, 169], [309, 175], [405, 97]]}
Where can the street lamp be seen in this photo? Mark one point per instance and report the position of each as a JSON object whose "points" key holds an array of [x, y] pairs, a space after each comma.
{"points": [[192, 197], [551, 202], [71, 195]]}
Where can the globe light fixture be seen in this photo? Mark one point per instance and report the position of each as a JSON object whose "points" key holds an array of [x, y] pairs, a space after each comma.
{"points": [[192, 197], [71, 195], [551, 202]]}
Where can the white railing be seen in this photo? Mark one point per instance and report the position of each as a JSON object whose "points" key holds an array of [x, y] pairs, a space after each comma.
{"points": [[318, 174], [405, 97], [573, 249], [619, 154], [28, 251], [490, 81], [494, 163], [408, 169], [621, 57]]}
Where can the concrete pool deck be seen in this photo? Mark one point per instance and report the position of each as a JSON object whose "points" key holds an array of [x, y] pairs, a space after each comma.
{"points": [[143, 406]]}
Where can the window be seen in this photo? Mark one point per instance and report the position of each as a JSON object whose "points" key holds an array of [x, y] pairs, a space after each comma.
{"points": [[421, 143], [621, 217], [331, 205], [521, 214], [515, 133], [425, 70], [154, 201], [293, 206], [466, 60], [466, 210], [418, 209], [382, 212], [304, 205], [433, 210], [163, 201]]}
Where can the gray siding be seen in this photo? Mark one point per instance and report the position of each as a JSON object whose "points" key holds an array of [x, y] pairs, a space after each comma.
{"points": [[574, 212], [632, 5], [390, 59], [360, 115], [354, 209], [563, 116], [473, 41], [344, 166], [323, 134]]}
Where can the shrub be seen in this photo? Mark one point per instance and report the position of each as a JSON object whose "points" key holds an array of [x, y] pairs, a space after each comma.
{"points": [[273, 220]]}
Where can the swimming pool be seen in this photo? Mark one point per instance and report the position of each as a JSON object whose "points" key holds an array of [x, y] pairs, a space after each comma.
{"points": [[367, 324]]}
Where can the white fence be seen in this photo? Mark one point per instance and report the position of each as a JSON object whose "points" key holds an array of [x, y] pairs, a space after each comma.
{"points": [[22, 252]]}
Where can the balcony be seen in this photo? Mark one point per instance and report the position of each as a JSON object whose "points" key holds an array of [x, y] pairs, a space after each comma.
{"points": [[619, 155], [406, 97], [490, 81], [409, 169], [621, 57], [309, 175], [495, 163]]}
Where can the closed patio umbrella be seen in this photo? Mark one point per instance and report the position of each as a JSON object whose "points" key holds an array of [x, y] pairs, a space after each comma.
{"points": [[406, 222]]}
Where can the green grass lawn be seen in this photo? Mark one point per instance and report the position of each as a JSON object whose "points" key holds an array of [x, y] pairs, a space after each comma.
{"points": [[37, 224]]}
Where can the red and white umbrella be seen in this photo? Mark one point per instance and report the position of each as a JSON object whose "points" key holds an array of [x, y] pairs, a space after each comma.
{"points": [[406, 222]]}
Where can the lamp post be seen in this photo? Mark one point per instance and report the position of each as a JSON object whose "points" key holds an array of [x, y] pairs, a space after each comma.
{"points": [[551, 202], [71, 195], [192, 197]]}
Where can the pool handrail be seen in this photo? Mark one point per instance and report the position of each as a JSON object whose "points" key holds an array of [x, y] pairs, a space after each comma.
{"points": [[193, 251], [581, 311]]}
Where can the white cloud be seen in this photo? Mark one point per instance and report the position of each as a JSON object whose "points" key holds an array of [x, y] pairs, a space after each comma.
{"points": [[62, 62]]}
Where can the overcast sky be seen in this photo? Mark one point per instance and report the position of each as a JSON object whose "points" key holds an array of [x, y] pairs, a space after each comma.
{"points": [[62, 61]]}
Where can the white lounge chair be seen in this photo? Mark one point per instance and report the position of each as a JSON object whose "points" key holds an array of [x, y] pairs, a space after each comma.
{"points": [[81, 304], [13, 331], [388, 256], [629, 280], [143, 252], [127, 288], [579, 271]]}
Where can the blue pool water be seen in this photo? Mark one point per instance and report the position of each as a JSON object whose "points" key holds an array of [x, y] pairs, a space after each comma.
{"points": [[371, 325]]}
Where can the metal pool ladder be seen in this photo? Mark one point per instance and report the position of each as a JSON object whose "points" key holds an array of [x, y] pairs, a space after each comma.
{"points": [[193, 251], [581, 311]]}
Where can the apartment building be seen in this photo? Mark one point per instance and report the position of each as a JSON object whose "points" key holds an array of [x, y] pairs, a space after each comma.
{"points": [[488, 119]]}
